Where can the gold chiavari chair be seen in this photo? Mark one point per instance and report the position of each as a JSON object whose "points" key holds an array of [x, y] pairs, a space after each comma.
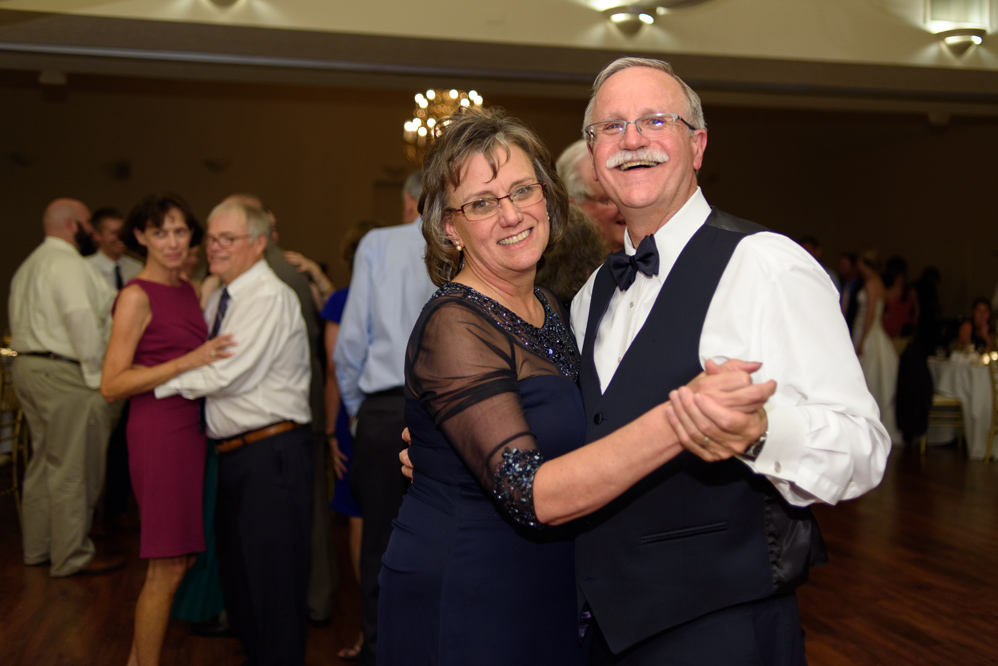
{"points": [[993, 371], [945, 412], [13, 429]]}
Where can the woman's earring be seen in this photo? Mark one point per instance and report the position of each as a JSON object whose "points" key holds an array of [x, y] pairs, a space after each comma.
{"points": [[457, 244]]}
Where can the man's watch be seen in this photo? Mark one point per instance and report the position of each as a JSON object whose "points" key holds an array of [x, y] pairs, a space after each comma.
{"points": [[755, 448]]}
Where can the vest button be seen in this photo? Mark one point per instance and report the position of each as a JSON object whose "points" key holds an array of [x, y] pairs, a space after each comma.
{"points": [[598, 418]]}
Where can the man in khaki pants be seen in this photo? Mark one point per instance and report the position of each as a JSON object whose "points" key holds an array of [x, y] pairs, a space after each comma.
{"points": [[60, 317]]}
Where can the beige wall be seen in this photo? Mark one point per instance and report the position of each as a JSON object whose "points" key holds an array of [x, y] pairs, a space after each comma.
{"points": [[319, 155]]}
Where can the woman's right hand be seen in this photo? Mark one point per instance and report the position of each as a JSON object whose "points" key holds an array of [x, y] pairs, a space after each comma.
{"points": [[720, 412], [338, 457]]}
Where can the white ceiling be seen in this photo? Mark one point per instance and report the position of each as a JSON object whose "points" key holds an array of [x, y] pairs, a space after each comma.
{"points": [[887, 32]]}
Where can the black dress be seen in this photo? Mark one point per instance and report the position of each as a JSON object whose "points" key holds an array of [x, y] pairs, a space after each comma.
{"points": [[469, 576]]}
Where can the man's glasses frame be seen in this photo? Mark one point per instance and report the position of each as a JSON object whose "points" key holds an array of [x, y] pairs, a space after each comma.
{"points": [[655, 124], [224, 242]]}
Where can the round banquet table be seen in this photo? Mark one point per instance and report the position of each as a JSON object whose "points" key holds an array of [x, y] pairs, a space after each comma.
{"points": [[970, 383]]}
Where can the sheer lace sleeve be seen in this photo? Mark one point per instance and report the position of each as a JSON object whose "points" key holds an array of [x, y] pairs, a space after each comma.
{"points": [[465, 372]]}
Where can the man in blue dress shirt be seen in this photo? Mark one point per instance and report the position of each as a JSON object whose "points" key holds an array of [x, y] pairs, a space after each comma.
{"points": [[390, 285]]}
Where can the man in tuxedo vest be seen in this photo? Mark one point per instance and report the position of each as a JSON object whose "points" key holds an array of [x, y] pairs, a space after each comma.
{"points": [[698, 563]]}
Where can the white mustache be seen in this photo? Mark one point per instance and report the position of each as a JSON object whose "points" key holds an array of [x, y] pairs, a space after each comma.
{"points": [[640, 155]]}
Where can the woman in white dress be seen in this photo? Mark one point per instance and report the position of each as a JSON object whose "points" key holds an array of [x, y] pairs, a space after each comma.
{"points": [[877, 355]]}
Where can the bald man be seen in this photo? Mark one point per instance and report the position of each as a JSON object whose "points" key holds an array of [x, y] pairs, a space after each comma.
{"points": [[575, 167], [60, 317]]}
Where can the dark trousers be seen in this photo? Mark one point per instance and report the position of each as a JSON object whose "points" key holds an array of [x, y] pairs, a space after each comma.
{"points": [[117, 481], [377, 482], [324, 572], [759, 633], [262, 522]]}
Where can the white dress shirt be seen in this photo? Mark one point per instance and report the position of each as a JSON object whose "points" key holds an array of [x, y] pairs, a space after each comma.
{"points": [[388, 290], [104, 264], [267, 380], [773, 304], [60, 304]]}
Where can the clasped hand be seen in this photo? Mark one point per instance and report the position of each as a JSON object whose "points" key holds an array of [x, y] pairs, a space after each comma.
{"points": [[721, 412], [716, 416]]}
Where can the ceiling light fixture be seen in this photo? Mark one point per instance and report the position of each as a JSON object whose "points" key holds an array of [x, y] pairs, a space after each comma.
{"points": [[629, 19], [430, 115]]}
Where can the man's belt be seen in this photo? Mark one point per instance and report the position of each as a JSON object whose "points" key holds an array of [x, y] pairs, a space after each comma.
{"points": [[252, 436], [50, 355]]}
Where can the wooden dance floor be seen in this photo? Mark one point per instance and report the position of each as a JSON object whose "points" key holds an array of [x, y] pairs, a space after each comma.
{"points": [[913, 579]]}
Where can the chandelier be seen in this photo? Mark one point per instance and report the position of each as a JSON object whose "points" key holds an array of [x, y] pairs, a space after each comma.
{"points": [[432, 108]]}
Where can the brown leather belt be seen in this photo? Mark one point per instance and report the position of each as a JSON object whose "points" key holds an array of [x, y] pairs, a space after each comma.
{"points": [[252, 436]]}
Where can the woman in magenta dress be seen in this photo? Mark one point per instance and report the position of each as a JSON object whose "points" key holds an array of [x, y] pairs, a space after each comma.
{"points": [[158, 332]]}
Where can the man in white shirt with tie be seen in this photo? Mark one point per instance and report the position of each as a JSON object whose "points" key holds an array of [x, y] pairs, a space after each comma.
{"points": [[110, 259], [257, 415], [60, 318], [117, 268]]}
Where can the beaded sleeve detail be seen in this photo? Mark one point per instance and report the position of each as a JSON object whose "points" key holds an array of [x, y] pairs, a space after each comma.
{"points": [[514, 484]]}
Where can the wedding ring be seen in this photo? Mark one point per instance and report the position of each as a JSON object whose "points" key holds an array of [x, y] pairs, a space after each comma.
{"points": [[212, 354], [705, 442]]}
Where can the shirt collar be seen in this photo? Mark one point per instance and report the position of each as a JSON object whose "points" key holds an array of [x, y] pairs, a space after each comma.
{"points": [[102, 258], [61, 244], [245, 281], [673, 236]]}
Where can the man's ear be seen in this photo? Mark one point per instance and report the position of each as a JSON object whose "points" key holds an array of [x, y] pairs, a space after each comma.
{"points": [[699, 140], [589, 146]]}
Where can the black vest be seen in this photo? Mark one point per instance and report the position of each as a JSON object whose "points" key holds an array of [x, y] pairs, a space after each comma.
{"points": [[691, 537]]}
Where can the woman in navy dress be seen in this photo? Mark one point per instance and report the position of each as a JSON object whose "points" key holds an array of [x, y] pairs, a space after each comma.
{"points": [[475, 572], [157, 333]]}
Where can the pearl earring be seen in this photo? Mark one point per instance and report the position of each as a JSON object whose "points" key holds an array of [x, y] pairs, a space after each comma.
{"points": [[457, 244]]}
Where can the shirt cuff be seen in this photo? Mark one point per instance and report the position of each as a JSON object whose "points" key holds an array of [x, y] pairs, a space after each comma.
{"points": [[784, 443], [779, 460], [165, 390]]}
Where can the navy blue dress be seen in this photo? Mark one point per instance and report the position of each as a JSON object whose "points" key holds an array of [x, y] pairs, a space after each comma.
{"points": [[343, 500], [469, 577]]}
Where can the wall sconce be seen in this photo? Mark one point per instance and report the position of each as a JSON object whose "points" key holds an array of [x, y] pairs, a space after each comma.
{"points": [[961, 24], [959, 40], [630, 18]]}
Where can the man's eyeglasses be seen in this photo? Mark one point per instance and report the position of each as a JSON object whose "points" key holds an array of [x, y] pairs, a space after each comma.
{"points": [[224, 241], [481, 209], [652, 125]]}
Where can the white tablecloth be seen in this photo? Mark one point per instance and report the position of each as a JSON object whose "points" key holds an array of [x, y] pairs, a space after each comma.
{"points": [[971, 384]]}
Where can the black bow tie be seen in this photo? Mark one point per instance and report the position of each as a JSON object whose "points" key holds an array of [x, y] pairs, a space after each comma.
{"points": [[625, 267]]}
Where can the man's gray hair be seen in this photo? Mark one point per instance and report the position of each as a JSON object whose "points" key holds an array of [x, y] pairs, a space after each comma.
{"points": [[413, 185], [257, 222], [573, 167], [694, 107]]}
